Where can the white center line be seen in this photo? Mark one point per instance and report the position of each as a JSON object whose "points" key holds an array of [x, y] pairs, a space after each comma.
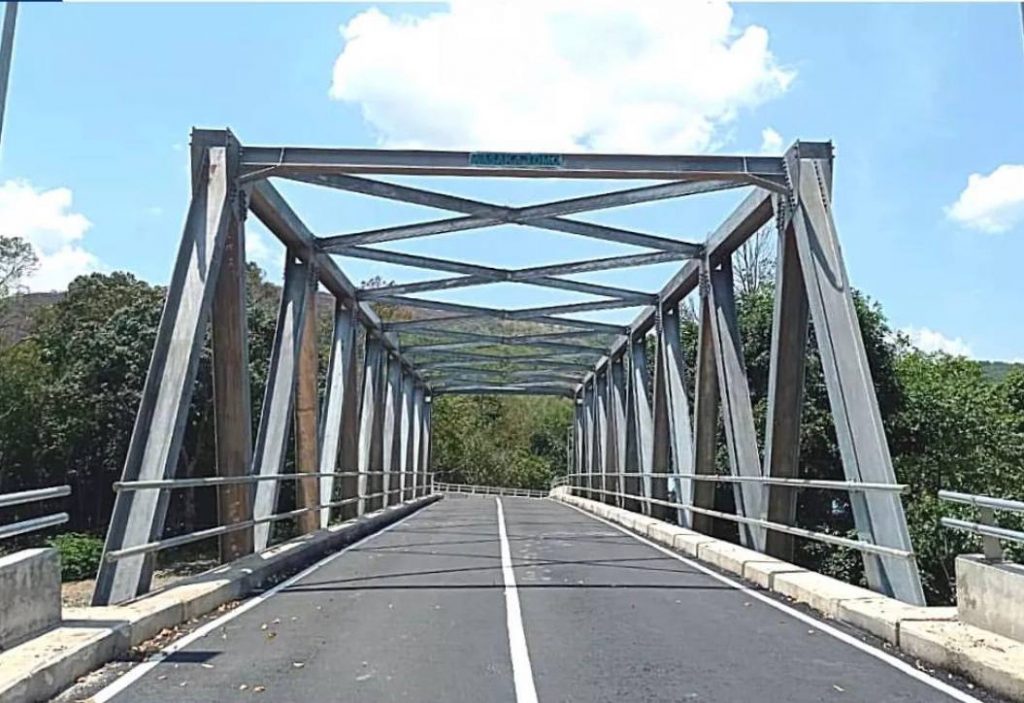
{"points": [[522, 672]]}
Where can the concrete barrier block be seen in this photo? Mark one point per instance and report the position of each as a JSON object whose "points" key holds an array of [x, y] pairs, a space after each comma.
{"points": [[29, 594], [727, 556], [40, 668], [763, 571], [689, 542], [666, 534], [990, 660], [883, 616], [822, 593], [988, 595]]}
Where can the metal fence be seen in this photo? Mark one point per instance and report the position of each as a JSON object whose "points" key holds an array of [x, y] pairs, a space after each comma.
{"points": [[364, 501], [489, 490], [37, 523], [992, 536], [602, 486]]}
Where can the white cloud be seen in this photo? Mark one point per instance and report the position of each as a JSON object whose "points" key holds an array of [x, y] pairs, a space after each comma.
{"points": [[559, 75], [44, 219], [992, 203], [771, 141], [930, 341]]}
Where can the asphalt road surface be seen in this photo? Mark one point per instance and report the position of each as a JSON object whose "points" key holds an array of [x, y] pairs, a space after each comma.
{"points": [[421, 613]]}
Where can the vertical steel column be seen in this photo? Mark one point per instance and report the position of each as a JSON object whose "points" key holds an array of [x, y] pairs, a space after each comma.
{"points": [[392, 408], [599, 483], [673, 445], [705, 430], [232, 403], [590, 426], [618, 431], [405, 435], [278, 397], [737, 413], [577, 435], [339, 405], [307, 453], [415, 454], [785, 386], [373, 360], [878, 515], [153, 452], [641, 429], [424, 448], [427, 447]]}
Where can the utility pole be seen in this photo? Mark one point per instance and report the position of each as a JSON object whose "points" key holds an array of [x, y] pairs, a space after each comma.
{"points": [[6, 52]]}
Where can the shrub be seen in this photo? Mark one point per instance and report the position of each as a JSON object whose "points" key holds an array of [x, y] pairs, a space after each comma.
{"points": [[80, 555]]}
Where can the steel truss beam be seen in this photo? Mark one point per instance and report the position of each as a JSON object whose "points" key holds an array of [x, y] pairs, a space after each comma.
{"points": [[544, 276], [482, 214], [291, 161]]}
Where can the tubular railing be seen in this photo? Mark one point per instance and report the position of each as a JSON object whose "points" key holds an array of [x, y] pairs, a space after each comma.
{"points": [[986, 527], [470, 489], [37, 523], [419, 486], [576, 482]]}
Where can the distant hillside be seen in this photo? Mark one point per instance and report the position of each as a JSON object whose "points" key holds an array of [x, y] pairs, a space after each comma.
{"points": [[16, 319], [997, 370]]}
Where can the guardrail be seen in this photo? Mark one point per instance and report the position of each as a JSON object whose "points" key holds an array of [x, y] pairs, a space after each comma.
{"points": [[409, 491], [37, 523], [991, 534], [489, 490], [576, 480]]}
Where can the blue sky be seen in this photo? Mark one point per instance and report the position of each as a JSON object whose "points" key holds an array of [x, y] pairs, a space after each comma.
{"points": [[917, 98]]}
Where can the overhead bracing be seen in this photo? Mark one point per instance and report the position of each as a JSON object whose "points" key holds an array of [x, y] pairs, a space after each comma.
{"points": [[363, 443]]}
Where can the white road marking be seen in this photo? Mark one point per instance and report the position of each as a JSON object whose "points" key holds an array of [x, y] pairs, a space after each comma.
{"points": [[892, 661], [142, 669], [522, 671]]}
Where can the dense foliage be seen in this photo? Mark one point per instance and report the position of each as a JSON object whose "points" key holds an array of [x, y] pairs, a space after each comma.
{"points": [[69, 391]]}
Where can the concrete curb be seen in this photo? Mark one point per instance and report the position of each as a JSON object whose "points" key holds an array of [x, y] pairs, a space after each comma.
{"points": [[932, 635], [88, 638]]}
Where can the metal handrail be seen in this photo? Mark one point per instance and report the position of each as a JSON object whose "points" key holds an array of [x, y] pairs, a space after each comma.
{"points": [[37, 523], [173, 483], [767, 480], [471, 489], [991, 534], [861, 546], [199, 535]]}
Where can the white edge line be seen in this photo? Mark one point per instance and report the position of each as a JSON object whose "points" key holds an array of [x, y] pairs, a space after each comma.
{"points": [[882, 656], [522, 671], [145, 667]]}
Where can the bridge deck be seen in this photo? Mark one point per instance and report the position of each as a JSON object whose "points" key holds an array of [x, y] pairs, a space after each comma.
{"points": [[418, 613]]}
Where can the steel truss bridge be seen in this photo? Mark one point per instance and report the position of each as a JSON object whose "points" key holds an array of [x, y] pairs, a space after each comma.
{"points": [[363, 443]]}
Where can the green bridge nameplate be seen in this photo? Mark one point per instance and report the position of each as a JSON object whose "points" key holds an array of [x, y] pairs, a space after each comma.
{"points": [[498, 159]]}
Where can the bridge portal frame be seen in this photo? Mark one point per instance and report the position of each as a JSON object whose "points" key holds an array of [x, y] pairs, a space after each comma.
{"points": [[627, 449]]}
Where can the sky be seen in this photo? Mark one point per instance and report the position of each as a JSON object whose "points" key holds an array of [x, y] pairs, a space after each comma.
{"points": [[924, 104]]}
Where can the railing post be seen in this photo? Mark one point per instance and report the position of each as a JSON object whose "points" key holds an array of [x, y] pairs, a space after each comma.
{"points": [[425, 448], [138, 517], [991, 546], [415, 455]]}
